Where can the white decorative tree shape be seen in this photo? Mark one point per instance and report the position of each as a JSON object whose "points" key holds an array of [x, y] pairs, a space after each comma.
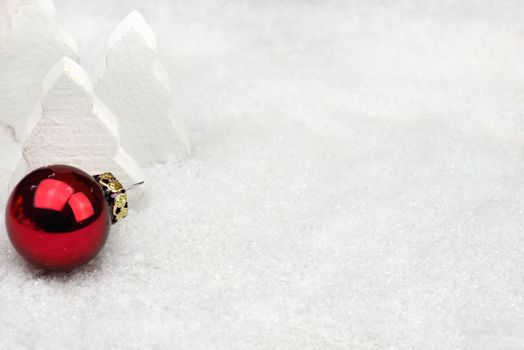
{"points": [[135, 87], [34, 43], [71, 126]]}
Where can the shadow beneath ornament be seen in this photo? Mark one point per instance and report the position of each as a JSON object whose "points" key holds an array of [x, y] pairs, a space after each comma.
{"points": [[89, 270]]}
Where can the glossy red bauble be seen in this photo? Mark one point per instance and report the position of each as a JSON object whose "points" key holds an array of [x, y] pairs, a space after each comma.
{"points": [[57, 217]]}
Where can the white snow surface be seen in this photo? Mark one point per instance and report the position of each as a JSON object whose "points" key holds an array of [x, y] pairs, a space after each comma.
{"points": [[357, 182]]}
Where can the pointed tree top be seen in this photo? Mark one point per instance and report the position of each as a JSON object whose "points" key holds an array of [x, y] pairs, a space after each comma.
{"points": [[133, 23], [67, 70]]}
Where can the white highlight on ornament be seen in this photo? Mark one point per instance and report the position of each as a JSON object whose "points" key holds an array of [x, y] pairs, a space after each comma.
{"points": [[135, 87], [34, 42], [71, 126]]}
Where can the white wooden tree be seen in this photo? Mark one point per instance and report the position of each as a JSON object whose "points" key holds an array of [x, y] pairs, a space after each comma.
{"points": [[71, 126], [135, 87], [34, 42]]}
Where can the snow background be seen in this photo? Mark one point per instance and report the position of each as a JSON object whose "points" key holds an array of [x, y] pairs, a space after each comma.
{"points": [[357, 183]]}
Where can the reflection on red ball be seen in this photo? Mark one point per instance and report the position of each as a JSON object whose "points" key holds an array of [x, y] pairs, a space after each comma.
{"points": [[57, 217]]}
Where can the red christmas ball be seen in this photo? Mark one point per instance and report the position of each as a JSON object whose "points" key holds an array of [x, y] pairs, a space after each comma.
{"points": [[58, 218]]}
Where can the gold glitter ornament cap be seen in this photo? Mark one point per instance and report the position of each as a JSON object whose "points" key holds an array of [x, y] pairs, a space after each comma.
{"points": [[115, 194]]}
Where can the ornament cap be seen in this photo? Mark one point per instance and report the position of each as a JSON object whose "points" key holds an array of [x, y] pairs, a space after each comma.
{"points": [[115, 195]]}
